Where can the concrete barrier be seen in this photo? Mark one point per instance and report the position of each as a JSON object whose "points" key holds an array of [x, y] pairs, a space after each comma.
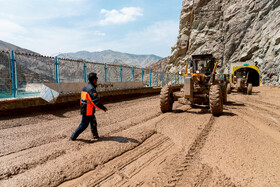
{"points": [[69, 88], [51, 91], [10, 105]]}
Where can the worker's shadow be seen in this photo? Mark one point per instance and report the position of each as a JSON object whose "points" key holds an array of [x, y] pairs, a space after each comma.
{"points": [[119, 139]]}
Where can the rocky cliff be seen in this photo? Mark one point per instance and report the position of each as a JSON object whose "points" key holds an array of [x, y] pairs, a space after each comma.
{"points": [[160, 65], [234, 31]]}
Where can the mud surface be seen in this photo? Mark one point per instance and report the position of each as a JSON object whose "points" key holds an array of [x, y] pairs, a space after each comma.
{"points": [[140, 146]]}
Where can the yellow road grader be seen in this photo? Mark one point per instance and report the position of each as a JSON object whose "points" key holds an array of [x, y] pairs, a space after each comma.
{"points": [[240, 81], [200, 86]]}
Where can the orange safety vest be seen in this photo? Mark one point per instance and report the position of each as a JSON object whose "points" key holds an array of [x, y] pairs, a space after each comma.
{"points": [[85, 99]]}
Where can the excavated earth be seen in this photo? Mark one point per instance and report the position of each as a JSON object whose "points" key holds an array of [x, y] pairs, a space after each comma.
{"points": [[140, 146]]}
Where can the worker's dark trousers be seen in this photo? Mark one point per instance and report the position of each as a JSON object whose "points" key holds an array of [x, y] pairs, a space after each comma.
{"points": [[84, 124]]}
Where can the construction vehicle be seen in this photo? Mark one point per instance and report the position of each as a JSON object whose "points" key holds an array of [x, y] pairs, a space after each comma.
{"points": [[240, 81], [200, 86]]}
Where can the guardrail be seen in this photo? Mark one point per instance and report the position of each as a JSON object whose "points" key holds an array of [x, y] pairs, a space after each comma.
{"points": [[19, 105], [22, 72]]}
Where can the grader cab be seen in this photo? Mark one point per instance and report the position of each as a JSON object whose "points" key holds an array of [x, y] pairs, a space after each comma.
{"points": [[200, 86]]}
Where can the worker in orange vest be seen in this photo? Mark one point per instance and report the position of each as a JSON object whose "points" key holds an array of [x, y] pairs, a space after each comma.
{"points": [[89, 101]]}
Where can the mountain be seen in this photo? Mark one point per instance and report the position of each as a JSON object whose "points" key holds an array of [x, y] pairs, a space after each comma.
{"points": [[30, 68], [235, 32], [4, 46], [113, 57]]}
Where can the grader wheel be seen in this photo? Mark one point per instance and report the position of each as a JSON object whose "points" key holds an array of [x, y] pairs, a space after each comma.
{"points": [[166, 99], [249, 89], [216, 100], [228, 88]]}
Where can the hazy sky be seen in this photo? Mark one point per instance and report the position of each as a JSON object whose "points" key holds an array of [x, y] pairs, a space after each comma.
{"points": [[54, 26]]}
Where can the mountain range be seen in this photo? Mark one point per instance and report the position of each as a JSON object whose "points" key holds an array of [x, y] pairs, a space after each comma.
{"points": [[113, 57], [106, 56], [4, 46]]}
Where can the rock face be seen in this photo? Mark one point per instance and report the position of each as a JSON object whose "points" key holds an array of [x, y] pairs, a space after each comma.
{"points": [[159, 66], [235, 32]]}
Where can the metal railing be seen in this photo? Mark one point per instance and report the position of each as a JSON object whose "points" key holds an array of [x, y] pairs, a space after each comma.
{"points": [[26, 72]]}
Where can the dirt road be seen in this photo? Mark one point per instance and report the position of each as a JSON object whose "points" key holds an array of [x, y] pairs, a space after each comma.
{"points": [[140, 146]]}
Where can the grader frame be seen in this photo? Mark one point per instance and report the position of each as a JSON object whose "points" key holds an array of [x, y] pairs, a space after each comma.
{"points": [[200, 86]]}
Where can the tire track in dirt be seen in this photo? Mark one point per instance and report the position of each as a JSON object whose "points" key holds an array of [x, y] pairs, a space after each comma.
{"points": [[18, 169], [122, 124], [128, 165], [256, 121], [261, 108], [35, 144], [26, 166], [193, 152], [270, 105], [21, 168], [74, 164], [139, 164], [244, 153], [261, 117], [269, 117], [116, 172], [191, 171]]}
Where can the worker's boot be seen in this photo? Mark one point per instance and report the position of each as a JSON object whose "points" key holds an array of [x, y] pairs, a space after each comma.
{"points": [[96, 137]]}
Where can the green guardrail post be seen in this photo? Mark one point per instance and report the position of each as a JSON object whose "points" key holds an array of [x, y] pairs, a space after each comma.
{"points": [[16, 81], [166, 78], [150, 71], [132, 69], [121, 73], [142, 75], [105, 69], [56, 70], [171, 78], [13, 74], [85, 71]]}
